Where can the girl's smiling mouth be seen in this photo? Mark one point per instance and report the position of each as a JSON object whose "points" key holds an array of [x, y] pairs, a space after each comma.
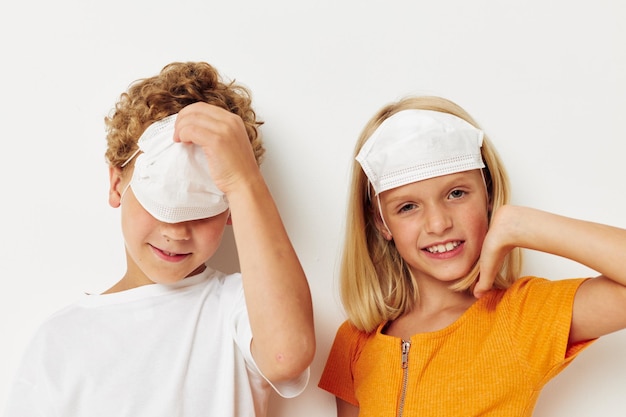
{"points": [[444, 247]]}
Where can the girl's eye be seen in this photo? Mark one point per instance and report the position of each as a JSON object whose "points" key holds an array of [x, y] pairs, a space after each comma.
{"points": [[457, 194], [407, 207]]}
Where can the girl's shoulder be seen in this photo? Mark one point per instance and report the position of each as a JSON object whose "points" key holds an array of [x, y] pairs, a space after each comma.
{"points": [[349, 335], [534, 293], [532, 285]]}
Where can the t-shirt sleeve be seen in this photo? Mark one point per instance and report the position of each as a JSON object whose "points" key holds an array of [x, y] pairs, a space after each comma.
{"points": [[337, 377], [28, 396], [24, 401], [540, 313]]}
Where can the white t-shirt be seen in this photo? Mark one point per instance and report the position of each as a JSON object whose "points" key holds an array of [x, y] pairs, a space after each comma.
{"points": [[180, 350]]}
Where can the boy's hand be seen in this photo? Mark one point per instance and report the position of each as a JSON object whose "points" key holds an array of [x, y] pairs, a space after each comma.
{"points": [[223, 137]]}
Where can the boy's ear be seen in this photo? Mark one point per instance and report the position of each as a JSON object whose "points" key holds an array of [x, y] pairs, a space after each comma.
{"points": [[229, 221], [115, 186]]}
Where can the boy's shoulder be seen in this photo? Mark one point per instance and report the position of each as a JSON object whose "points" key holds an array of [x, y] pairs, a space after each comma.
{"points": [[78, 314], [94, 315]]}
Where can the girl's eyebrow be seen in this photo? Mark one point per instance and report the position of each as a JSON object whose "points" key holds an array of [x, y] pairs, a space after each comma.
{"points": [[461, 179], [400, 197]]}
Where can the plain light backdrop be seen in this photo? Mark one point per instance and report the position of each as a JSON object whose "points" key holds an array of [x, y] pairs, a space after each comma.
{"points": [[546, 80]]}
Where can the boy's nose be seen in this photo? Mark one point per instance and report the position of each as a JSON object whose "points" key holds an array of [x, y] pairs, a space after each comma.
{"points": [[175, 231]]}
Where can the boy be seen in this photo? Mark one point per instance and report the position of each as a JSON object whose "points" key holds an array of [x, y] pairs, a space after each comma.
{"points": [[174, 337]]}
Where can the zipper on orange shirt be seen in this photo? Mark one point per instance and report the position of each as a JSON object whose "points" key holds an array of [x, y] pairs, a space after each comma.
{"points": [[406, 345]]}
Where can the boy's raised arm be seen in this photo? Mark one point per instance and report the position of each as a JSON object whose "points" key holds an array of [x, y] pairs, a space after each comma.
{"points": [[277, 292]]}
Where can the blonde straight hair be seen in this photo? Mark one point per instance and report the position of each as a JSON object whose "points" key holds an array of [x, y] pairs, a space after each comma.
{"points": [[376, 284]]}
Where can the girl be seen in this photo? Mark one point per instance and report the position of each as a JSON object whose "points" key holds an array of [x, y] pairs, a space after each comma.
{"points": [[439, 321]]}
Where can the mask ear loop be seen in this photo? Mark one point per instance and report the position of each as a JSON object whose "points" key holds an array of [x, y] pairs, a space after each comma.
{"points": [[124, 191], [131, 158], [380, 210], [123, 165], [482, 174]]}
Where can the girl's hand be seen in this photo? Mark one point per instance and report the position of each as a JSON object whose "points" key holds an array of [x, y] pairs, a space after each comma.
{"points": [[497, 244], [600, 303]]}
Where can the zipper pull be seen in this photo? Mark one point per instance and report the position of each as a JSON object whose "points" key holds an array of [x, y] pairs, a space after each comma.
{"points": [[405, 353]]}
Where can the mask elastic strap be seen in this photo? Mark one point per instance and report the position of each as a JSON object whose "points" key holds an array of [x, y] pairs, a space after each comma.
{"points": [[482, 174], [124, 191], [131, 158], [123, 165], [380, 210]]}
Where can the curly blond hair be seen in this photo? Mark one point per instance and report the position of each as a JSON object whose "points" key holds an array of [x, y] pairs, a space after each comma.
{"points": [[176, 86], [376, 283]]}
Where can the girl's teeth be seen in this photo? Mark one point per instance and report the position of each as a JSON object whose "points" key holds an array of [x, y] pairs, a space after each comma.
{"points": [[443, 248]]}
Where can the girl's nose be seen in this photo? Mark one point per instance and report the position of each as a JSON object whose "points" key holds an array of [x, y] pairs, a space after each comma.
{"points": [[438, 220], [175, 231]]}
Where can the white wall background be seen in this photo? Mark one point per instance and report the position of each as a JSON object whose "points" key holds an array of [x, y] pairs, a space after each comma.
{"points": [[547, 80]]}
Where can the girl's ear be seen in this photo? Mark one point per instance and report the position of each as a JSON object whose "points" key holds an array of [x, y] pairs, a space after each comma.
{"points": [[381, 226], [115, 186]]}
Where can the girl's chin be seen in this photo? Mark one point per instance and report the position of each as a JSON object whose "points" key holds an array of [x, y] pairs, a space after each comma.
{"points": [[449, 277]]}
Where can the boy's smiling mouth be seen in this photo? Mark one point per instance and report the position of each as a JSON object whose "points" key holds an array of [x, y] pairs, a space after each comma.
{"points": [[168, 255]]}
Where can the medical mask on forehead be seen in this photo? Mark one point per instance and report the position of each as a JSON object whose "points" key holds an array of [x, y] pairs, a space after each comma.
{"points": [[171, 180], [415, 145]]}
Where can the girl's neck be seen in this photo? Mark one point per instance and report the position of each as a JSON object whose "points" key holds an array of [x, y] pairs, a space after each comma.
{"points": [[434, 311]]}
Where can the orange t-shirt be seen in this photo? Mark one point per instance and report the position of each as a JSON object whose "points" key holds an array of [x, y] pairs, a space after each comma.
{"points": [[493, 361]]}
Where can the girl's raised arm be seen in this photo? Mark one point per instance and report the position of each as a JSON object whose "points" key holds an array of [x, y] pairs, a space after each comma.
{"points": [[600, 303]]}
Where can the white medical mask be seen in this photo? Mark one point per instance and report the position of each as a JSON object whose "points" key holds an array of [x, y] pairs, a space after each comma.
{"points": [[414, 145], [171, 180]]}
